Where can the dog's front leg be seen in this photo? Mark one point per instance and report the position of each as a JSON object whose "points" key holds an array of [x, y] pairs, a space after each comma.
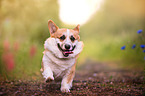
{"points": [[66, 83], [47, 72]]}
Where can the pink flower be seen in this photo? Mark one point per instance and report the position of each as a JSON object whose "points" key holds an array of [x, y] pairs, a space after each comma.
{"points": [[8, 59], [16, 46], [6, 45], [8, 56], [32, 51]]}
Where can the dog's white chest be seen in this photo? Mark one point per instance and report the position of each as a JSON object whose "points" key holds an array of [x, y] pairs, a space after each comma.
{"points": [[58, 66]]}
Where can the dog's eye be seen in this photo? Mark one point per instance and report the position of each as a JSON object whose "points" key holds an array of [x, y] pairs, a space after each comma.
{"points": [[72, 38], [62, 37]]}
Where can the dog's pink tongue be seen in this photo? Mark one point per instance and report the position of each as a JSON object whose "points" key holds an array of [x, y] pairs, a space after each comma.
{"points": [[68, 52]]}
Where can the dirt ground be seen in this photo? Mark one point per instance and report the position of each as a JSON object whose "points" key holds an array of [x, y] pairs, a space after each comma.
{"points": [[90, 80]]}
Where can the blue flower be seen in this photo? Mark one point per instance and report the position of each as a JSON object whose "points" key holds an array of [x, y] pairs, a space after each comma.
{"points": [[133, 46], [123, 47], [143, 51], [139, 31], [142, 46]]}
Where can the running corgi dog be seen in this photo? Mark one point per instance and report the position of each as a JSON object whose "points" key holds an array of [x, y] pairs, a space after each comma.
{"points": [[61, 51]]}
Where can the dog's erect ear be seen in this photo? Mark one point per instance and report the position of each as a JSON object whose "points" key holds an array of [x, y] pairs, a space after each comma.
{"points": [[52, 27], [77, 28]]}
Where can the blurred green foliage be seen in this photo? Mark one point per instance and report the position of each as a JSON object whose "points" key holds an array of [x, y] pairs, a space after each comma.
{"points": [[114, 25]]}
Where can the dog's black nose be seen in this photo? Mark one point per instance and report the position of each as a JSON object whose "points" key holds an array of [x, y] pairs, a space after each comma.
{"points": [[67, 46]]}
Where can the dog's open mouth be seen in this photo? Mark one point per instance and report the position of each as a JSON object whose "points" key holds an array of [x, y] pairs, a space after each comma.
{"points": [[66, 52]]}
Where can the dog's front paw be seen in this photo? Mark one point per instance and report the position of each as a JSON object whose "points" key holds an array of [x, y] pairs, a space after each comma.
{"points": [[48, 75], [64, 89], [49, 79]]}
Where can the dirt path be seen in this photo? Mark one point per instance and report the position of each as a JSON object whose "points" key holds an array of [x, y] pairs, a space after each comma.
{"points": [[97, 79]]}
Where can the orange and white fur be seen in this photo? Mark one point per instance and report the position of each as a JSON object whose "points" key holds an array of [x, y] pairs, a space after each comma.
{"points": [[61, 51]]}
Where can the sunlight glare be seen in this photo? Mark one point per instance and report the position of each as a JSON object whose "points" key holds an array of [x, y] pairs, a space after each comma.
{"points": [[77, 11]]}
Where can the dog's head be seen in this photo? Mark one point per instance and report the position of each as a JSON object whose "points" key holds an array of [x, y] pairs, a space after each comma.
{"points": [[66, 39]]}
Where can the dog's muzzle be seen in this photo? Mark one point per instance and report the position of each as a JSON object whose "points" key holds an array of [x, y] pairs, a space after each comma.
{"points": [[67, 51]]}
